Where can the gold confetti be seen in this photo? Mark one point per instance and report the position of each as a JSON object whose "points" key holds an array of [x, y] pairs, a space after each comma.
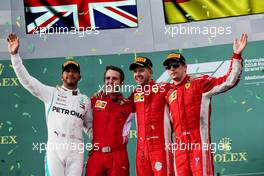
{"points": [[243, 102], [18, 24], [100, 61], [93, 50], [208, 13]]}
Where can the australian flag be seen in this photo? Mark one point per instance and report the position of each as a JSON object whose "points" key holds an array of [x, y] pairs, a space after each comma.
{"points": [[41, 15]]}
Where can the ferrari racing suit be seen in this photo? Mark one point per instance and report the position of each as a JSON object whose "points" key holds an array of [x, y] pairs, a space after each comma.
{"points": [[190, 107], [154, 130], [111, 122]]}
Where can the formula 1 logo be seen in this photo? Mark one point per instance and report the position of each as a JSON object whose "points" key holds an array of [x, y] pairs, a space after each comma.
{"points": [[214, 69]]}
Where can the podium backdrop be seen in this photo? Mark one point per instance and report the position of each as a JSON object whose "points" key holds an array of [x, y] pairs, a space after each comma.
{"points": [[237, 116]]}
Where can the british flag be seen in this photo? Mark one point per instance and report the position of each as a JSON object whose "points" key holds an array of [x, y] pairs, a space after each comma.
{"points": [[42, 15]]}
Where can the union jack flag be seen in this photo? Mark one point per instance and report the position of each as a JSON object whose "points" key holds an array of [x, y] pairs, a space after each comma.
{"points": [[41, 15]]}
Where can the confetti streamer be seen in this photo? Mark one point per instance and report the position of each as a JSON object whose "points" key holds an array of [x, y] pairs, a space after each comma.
{"points": [[10, 129], [208, 13], [93, 50], [33, 128], [250, 92], [11, 168], [232, 99], [258, 97], [1, 68], [69, 58], [8, 122], [18, 164], [243, 102], [100, 61], [31, 48], [122, 66], [126, 49], [12, 150], [180, 50], [249, 109], [188, 16], [44, 70], [26, 114], [222, 171], [18, 24], [18, 96], [16, 106], [81, 13]]}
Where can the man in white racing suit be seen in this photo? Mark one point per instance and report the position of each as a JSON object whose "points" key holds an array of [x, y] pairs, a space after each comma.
{"points": [[68, 112]]}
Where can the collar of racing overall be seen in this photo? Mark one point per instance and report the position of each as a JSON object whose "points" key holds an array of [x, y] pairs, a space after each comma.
{"points": [[73, 92], [186, 79]]}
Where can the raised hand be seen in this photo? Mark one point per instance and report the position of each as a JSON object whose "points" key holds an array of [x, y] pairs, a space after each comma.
{"points": [[240, 45], [13, 43]]}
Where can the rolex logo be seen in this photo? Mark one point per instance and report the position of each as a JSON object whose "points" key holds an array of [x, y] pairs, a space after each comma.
{"points": [[226, 141]]}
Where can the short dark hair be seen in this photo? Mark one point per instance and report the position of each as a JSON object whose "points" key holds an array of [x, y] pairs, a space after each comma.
{"points": [[119, 70]]}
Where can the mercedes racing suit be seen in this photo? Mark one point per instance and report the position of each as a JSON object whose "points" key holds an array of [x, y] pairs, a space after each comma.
{"points": [[111, 122], [154, 132], [190, 107], [68, 112]]}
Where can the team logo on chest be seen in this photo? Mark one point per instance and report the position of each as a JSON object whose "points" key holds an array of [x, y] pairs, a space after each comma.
{"points": [[82, 103], [139, 97], [173, 96], [187, 85], [155, 88], [100, 104]]}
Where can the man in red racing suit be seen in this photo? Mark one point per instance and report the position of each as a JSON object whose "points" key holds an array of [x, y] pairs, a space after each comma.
{"points": [[153, 122], [190, 107]]}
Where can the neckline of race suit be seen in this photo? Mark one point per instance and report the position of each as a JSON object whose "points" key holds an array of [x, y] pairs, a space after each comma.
{"points": [[73, 92]]}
